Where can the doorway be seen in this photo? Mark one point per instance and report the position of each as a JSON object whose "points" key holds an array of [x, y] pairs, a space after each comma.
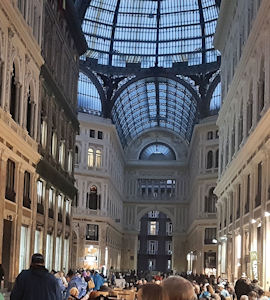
{"points": [[7, 231]]}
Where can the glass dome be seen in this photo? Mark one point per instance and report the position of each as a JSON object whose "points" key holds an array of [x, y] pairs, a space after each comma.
{"points": [[151, 32]]}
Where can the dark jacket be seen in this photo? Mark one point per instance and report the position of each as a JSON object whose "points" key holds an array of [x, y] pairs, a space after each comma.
{"points": [[36, 283], [242, 288]]}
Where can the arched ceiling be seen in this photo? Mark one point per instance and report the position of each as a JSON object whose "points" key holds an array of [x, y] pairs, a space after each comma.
{"points": [[155, 102], [154, 33]]}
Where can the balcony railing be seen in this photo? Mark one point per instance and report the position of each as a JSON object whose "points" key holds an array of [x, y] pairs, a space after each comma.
{"points": [[88, 212], [209, 241], [40, 208]]}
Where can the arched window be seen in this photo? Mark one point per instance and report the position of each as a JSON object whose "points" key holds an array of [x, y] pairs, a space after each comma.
{"points": [[29, 112], [54, 144], [70, 160], [210, 202], [90, 157], [93, 199], [62, 153], [217, 158], [250, 110], [98, 158], [43, 133], [10, 181], [233, 140], [26, 190], [261, 88], [215, 102], [13, 95], [240, 126], [210, 135], [76, 155], [209, 163], [88, 96], [157, 152]]}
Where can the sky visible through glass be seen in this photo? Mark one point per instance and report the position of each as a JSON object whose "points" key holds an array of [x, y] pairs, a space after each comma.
{"points": [[151, 32]]}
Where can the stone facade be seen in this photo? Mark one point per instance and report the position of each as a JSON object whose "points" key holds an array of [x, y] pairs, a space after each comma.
{"points": [[37, 183], [203, 166], [102, 206], [243, 185], [122, 205], [20, 63]]}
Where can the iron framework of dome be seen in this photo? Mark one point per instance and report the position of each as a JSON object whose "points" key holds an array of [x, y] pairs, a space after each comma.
{"points": [[150, 63], [154, 102], [151, 32]]}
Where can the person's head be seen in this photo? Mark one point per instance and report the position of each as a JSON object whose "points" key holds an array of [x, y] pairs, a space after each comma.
{"points": [[178, 288], [221, 286], [260, 293], [74, 292], [37, 260], [215, 296], [252, 295], [151, 291], [70, 274], [244, 297]]}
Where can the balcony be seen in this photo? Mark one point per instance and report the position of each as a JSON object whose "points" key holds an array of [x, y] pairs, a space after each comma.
{"points": [[51, 213], [80, 211], [10, 194], [209, 241], [156, 197], [40, 208], [26, 202]]}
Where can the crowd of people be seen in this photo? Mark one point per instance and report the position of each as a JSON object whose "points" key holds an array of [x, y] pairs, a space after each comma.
{"points": [[38, 283]]}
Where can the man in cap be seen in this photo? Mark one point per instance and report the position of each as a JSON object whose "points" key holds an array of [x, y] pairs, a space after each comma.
{"points": [[36, 283]]}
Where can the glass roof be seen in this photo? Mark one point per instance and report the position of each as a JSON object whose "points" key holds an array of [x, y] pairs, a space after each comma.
{"points": [[154, 102], [88, 96], [157, 151], [215, 102], [151, 32]]}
